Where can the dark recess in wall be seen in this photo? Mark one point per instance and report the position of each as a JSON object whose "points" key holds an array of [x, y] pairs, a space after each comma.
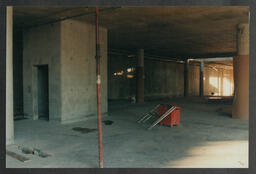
{"points": [[18, 73]]}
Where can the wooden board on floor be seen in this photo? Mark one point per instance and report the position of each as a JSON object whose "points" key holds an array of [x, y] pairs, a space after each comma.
{"points": [[17, 156]]}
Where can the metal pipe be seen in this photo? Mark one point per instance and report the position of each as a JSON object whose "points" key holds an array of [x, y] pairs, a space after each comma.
{"points": [[98, 86], [217, 59]]}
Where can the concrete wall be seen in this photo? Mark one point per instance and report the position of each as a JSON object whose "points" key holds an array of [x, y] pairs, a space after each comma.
{"points": [[166, 79], [119, 86], [163, 79], [193, 80], [68, 48], [78, 70], [41, 46]]}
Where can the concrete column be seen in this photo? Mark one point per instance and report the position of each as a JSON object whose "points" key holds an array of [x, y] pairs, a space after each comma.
{"points": [[9, 76], [221, 83], [186, 64], [240, 108], [201, 90], [140, 76]]}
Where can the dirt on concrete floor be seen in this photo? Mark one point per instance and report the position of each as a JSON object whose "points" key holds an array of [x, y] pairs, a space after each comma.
{"points": [[205, 138]]}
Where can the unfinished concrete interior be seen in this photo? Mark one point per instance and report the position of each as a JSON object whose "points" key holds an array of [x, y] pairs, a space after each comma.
{"points": [[195, 57]]}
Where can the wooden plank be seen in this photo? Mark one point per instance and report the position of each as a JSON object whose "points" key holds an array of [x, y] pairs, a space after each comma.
{"points": [[17, 156]]}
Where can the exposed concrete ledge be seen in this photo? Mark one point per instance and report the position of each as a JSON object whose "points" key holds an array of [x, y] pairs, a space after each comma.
{"points": [[83, 118]]}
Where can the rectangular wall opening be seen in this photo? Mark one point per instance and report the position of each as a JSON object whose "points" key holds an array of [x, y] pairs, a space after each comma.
{"points": [[43, 92]]}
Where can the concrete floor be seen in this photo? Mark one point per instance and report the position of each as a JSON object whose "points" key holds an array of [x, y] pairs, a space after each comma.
{"points": [[205, 138]]}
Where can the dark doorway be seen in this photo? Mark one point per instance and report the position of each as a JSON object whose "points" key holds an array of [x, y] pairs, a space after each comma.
{"points": [[43, 92]]}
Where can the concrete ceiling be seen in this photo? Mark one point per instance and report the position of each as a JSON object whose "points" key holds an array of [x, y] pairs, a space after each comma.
{"points": [[163, 31]]}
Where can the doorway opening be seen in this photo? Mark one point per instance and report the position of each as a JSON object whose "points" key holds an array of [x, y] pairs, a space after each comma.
{"points": [[43, 92]]}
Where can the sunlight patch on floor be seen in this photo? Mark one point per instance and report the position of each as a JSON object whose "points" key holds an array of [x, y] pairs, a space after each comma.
{"points": [[220, 154]]}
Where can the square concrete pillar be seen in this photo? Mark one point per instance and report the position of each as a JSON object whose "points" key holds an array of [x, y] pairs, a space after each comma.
{"points": [[201, 91], [140, 76], [9, 76], [186, 64]]}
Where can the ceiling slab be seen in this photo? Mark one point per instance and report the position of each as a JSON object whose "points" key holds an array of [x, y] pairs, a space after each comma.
{"points": [[164, 31]]}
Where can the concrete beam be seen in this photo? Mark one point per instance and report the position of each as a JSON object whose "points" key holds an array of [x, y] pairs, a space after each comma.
{"points": [[9, 76]]}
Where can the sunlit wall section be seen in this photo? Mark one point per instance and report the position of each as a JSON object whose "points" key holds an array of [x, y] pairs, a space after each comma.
{"points": [[218, 80]]}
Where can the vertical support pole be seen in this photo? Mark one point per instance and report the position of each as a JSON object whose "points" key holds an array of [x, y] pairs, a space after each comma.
{"points": [[222, 85], [98, 86], [9, 76], [201, 78], [140, 76], [186, 64]]}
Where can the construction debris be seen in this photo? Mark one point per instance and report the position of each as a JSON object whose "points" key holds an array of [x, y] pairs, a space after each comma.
{"points": [[40, 153], [162, 113], [17, 156], [162, 117], [26, 150], [33, 151]]}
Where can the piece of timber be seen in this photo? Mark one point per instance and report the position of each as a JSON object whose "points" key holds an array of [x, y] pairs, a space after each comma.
{"points": [[17, 156]]}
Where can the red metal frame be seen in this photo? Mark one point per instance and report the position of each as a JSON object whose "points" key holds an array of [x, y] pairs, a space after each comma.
{"points": [[173, 118]]}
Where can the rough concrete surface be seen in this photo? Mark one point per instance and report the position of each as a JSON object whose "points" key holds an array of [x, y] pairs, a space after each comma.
{"points": [[193, 80], [166, 79], [68, 48], [167, 31], [163, 79], [78, 70], [205, 138], [121, 87], [241, 73], [41, 46], [9, 75]]}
